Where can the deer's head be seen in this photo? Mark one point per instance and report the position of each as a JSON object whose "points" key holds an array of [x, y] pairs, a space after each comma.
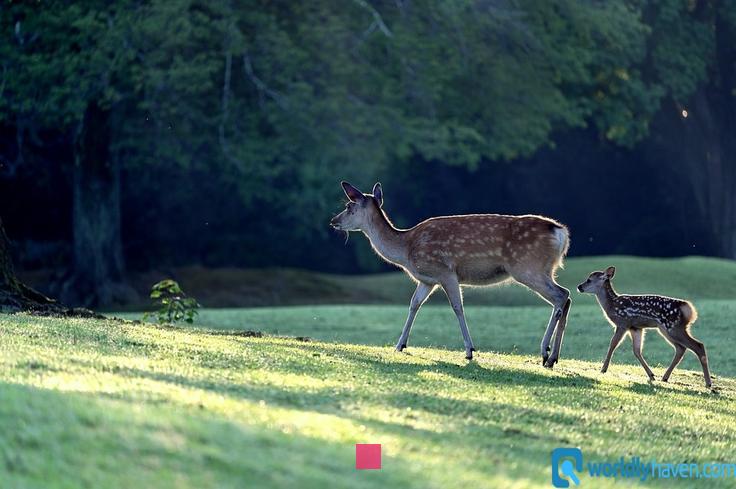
{"points": [[596, 280], [360, 210]]}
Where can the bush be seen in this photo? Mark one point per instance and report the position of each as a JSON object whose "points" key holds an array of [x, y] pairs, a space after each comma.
{"points": [[172, 304]]}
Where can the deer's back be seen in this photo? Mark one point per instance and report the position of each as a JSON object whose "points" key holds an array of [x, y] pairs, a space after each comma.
{"points": [[651, 311], [482, 248]]}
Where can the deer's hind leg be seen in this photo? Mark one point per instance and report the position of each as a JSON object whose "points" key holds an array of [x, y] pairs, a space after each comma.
{"points": [[682, 336], [557, 296]]}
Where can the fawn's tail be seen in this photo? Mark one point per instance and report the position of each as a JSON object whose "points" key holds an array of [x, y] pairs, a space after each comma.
{"points": [[689, 311]]}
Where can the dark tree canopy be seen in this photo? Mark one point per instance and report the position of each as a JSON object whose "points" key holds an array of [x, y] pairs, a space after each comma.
{"points": [[280, 100]]}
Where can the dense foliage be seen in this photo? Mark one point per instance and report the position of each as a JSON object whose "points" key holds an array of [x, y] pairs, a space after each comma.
{"points": [[281, 99]]}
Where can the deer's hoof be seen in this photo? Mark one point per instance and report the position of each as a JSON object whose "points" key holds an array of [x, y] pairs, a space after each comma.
{"points": [[550, 363], [469, 355], [400, 348], [665, 379]]}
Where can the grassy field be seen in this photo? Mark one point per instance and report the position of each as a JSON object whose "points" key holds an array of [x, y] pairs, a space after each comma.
{"points": [[694, 277], [87, 403]]}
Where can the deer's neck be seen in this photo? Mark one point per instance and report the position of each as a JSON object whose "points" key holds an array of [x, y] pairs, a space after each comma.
{"points": [[387, 240], [606, 296]]}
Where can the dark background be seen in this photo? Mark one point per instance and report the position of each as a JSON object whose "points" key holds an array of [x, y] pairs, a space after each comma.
{"points": [[146, 136]]}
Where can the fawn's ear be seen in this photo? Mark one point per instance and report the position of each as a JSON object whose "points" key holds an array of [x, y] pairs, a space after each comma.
{"points": [[352, 193], [610, 272], [378, 194]]}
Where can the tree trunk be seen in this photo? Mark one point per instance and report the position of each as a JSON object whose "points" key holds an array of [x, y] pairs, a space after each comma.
{"points": [[14, 295], [96, 279], [714, 126], [699, 145]]}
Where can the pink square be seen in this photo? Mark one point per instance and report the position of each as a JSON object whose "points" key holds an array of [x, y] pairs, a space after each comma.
{"points": [[367, 456]]}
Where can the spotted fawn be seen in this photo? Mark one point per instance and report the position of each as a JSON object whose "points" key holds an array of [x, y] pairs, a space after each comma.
{"points": [[476, 250], [634, 313]]}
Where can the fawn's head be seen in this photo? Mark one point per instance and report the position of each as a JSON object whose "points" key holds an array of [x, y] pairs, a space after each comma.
{"points": [[596, 280], [360, 210]]}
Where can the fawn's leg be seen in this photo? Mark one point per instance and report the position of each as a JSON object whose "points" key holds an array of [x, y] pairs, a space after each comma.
{"points": [[679, 353], [420, 296], [618, 336], [697, 347], [637, 339], [452, 289]]}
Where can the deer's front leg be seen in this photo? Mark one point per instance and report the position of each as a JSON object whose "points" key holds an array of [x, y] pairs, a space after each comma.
{"points": [[452, 289], [420, 296], [618, 335], [637, 338]]}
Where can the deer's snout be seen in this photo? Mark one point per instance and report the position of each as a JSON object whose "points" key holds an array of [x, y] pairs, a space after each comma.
{"points": [[580, 287], [333, 222]]}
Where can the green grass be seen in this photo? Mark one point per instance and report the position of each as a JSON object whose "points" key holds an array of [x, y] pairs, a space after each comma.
{"points": [[87, 403], [693, 277], [494, 329]]}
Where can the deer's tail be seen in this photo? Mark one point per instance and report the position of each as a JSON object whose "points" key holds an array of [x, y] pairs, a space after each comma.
{"points": [[562, 240], [689, 312]]}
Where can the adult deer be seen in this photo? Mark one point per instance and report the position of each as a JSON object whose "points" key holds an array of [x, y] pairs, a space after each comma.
{"points": [[477, 249]]}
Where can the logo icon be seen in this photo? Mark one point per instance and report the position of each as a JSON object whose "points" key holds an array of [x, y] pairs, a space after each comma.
{"points": [[562, 463], [367, 456]]}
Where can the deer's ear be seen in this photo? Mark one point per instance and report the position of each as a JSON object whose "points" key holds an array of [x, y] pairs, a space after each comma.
{"points": [[378, 194], [610, 272], [352, 193]]}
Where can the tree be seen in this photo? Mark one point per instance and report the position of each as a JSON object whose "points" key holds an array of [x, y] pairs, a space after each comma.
{"points": [[14, 295], [281, 97], [85, 70], [692, 56]]}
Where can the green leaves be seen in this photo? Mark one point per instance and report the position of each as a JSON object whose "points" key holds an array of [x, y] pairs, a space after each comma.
{"points": [[284, 97], [172, 303]]}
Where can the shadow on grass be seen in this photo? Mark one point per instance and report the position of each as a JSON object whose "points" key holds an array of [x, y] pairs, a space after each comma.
{"points": [[493, 373], [487, 433], [486, 441], [69, 439]]}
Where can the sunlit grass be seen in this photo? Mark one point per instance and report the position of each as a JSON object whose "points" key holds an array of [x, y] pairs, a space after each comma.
{"points": [[109, 404], [500, 329]]}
